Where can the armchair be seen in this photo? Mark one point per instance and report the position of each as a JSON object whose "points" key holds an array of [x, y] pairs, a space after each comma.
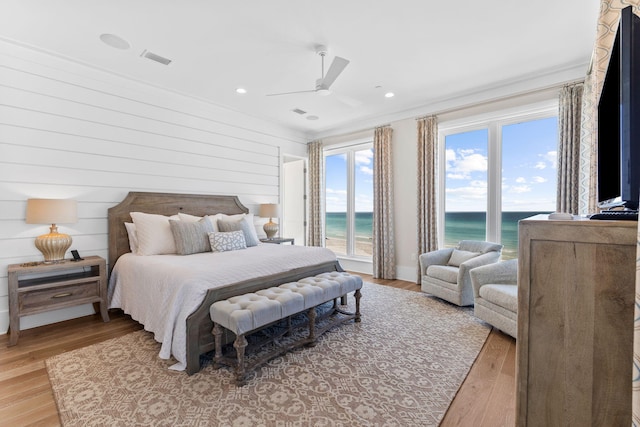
{"points": [[495, 288], [445, 272]]}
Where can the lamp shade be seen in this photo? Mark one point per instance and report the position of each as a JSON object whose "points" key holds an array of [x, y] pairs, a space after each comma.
{"points": [[269, 210], [51, 211]]}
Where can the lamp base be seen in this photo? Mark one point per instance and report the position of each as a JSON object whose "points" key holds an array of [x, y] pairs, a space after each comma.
{"points": [[53, 245], [270, 229]]}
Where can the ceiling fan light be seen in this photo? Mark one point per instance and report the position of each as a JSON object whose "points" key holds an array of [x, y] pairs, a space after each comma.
{"points": [[323, 92]]}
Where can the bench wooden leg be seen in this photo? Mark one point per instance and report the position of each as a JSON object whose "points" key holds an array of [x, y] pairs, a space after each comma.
{"points": [[357, 295], [312, 327], [240, 344], [217, 333]]}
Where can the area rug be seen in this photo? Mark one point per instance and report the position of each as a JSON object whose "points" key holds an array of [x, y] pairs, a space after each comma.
{"points": [[401, 366]]}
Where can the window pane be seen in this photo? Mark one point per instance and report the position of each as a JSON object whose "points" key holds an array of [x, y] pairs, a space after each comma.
{"points": [[529, 151], [336, 203], [363, 174], [466, 186]]}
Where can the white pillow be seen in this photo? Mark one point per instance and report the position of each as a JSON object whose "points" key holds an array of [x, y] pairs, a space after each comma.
{"points": [[154, 234], [133, 236], [188, 218]]}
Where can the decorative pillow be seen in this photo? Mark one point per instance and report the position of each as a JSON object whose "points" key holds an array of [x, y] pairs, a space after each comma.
{"points": [[227, 241], [154, 234], [458, 257], [245, 225], [191, 237], [212, 219], [133, 236]]}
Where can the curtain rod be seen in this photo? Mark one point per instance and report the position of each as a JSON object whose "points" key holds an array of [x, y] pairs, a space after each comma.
{"points": [[506, 98]]}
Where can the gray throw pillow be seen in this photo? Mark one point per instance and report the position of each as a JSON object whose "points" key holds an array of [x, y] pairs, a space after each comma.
{"points": [[191, 237], [242, 225]]}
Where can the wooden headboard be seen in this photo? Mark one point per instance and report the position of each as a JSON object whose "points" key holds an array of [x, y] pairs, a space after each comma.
{"points": [[162, 204]]}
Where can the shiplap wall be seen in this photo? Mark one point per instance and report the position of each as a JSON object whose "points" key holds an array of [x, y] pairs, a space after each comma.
{"points": [[71, 131]]}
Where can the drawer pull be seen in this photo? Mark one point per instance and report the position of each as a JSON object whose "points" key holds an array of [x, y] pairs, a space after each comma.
{"points": [[66, 294]]}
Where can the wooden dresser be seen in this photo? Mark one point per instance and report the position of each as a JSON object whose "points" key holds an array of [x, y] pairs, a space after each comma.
{"points": [[576, 290]]}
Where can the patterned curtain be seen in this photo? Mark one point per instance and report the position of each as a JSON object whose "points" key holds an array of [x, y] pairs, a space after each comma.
{"points": [[569, 124], [588, 202], [427, 175], [384, 248], [316, 209]]}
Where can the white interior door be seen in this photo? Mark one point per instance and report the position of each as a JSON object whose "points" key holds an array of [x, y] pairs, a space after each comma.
{"points": [[293, 200]]}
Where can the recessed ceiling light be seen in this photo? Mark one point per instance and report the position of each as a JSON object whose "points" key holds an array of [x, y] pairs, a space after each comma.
{"points": [[312, 117], [241, 90], [115, 41], [389, 95]]}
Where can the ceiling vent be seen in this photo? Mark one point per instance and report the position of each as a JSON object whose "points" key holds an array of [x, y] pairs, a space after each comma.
{"points": [[152, 56], [299, 111]]}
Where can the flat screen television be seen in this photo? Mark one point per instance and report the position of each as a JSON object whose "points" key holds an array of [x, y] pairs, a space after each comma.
{"points": [[619, 119]]}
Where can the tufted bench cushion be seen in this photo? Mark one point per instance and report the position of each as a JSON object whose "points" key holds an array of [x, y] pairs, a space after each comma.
{"points": [[246, 313]]}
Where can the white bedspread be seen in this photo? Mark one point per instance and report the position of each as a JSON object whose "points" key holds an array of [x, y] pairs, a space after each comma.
{"points": [[161, 291]]}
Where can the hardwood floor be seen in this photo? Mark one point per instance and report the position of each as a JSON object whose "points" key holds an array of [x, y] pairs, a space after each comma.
{"points": [[486, 398]]}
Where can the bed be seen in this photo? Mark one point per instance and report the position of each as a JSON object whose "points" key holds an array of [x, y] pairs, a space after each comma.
{"points": [[134, 280]]}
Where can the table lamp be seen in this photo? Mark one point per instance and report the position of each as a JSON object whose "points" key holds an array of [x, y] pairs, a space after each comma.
{"points": [[269, 210], [52, 211]]}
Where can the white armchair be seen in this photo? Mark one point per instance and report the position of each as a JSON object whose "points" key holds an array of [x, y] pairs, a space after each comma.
{"points": [[495, 288], [445, 272]]}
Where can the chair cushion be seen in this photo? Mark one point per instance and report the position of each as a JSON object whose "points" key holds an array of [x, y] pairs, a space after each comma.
{"points": [[503, 295], [478, 246], [445, 273], [458, 257]]}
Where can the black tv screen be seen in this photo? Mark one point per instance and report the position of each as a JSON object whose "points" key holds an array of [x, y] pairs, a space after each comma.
{"points": [[619, 118]]}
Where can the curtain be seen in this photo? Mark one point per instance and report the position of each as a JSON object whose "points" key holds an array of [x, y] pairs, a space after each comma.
{"points": [[316, 210], [427, 175], [569, 125], [384, 248], [587, 198]]}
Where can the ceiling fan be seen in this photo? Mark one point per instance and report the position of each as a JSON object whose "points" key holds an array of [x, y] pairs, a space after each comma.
{"points": [[325, 81]]}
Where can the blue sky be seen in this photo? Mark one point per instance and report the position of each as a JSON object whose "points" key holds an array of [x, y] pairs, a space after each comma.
{"points": [[528, 171], [529, 168]]}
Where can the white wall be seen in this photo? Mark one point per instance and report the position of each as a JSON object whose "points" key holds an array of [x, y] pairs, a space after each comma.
{"points": [[70, 131]]}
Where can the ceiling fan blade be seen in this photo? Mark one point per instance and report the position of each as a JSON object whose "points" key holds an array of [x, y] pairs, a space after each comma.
{"points": [[290, 93], [337, 66]]}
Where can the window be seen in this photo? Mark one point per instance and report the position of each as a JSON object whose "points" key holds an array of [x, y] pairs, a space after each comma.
{"points": [[497, 172], [349, 200]]}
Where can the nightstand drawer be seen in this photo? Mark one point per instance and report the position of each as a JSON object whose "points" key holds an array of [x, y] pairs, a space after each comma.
{"points": [[45, 299]]}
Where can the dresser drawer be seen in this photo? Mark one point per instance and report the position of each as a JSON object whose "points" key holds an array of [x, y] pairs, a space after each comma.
{"points": [[42, 299]]}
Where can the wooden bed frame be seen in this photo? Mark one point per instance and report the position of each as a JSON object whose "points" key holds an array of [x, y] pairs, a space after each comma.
{"points": [[199, 325]]}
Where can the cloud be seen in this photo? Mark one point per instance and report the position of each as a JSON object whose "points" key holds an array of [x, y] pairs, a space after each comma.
{"points": [[364, 157], [366, 170], [521, 180], [540, 165], [519, 189], [538, 179], [462, 163]]}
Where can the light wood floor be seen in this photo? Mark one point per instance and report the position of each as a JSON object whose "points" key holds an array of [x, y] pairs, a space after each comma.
{"points": [[486, 398]]}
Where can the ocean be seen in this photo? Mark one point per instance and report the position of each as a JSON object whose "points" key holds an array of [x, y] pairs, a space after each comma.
{"points": [[458, 226]]}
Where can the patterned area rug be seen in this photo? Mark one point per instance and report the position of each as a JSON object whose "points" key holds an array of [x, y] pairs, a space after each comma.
{"points": [[401, 366]]}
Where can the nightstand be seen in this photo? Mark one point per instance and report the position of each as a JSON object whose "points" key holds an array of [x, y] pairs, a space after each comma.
{"points": [[39, 287], [279, 240]]}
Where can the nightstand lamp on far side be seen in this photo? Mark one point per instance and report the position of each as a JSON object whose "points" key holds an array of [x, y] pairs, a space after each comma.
{"points": [[270, 210], [52, 211]]}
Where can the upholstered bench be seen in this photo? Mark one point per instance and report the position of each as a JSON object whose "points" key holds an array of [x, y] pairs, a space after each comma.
{"points": [[245, 314]]}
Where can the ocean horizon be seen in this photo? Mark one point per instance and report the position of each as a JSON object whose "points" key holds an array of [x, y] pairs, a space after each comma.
{"points": [[458, 226]]}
